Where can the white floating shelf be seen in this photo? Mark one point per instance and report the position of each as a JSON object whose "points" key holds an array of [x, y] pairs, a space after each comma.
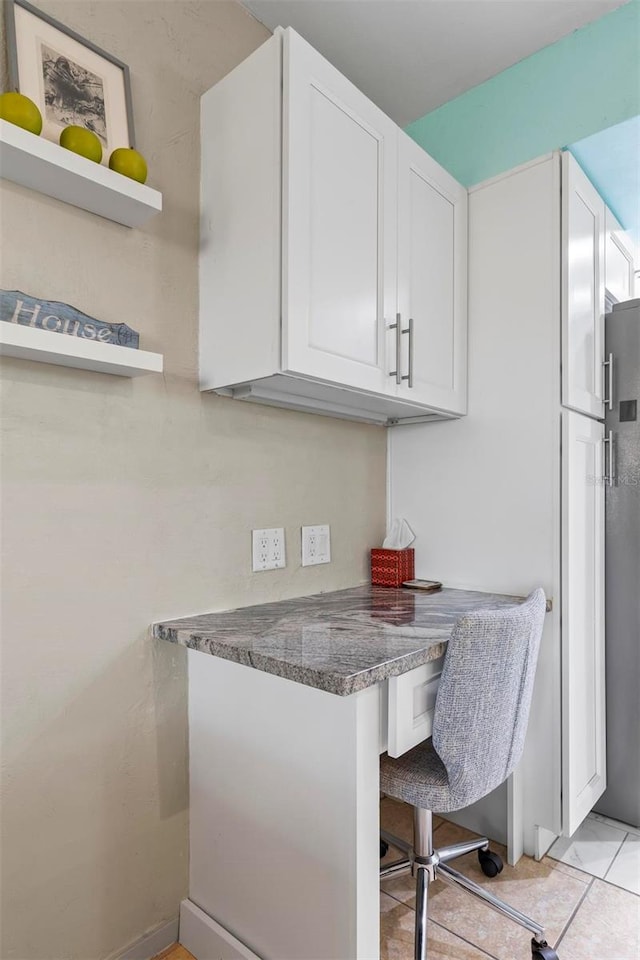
{"points": [[45, 346], [47, 167]]}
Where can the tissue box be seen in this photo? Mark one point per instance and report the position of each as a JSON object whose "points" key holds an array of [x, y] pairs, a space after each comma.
{"points": [[390, 568]]}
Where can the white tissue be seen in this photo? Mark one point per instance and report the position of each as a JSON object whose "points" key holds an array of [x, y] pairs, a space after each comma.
{"points": [[400, 535]]}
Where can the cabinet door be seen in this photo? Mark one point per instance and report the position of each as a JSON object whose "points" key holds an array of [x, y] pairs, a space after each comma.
{"points": [[432, 281], [583, 213], [583, 659], [339, 233], [619, 266]]}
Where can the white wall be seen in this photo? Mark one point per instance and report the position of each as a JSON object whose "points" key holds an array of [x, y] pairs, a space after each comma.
{"points": [[125, 502]]}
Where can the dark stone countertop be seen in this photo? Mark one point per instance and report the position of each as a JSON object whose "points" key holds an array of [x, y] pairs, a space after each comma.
{"points": [[341, 641]]}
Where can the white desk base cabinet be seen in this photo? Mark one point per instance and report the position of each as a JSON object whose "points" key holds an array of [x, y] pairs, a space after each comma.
{"points": [[284, 851]]}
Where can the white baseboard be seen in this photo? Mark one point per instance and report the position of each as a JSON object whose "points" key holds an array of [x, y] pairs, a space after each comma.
{"points": [[206, 939], [152, 943], [544, 841]]}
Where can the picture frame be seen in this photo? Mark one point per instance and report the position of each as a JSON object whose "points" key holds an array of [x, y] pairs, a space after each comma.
{"points": [[70, 79]]}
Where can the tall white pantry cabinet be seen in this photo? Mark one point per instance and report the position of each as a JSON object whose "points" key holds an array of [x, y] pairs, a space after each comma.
{"points": [[512, 495]]}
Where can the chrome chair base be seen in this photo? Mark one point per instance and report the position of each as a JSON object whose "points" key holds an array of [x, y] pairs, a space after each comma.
{"points": [[427, 865]]}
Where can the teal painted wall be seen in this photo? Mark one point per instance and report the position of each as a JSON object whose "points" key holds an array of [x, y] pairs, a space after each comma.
{"points": [[585, 82], [611, 160]]}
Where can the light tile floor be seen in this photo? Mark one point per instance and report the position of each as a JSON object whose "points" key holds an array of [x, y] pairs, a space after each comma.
{"points": [[586, 917], [603, 848]]}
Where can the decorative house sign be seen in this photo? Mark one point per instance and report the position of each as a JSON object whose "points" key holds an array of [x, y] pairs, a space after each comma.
{"points": [[17, 307]]}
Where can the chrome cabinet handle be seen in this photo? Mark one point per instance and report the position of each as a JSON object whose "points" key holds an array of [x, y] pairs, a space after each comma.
{"points": [[409, 377], [397, 373], [608, 442], [608, 401]]}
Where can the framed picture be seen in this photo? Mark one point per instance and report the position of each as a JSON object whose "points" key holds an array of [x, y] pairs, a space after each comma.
{"points": [[70, 79]]}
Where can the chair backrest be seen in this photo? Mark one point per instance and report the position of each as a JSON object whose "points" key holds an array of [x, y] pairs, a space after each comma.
{"points": [[482, 706]]}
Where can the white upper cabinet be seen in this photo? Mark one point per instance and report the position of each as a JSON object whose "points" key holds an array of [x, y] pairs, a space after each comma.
{"points": [[432, 281], [583, 230], [619, 260], [320, 223], [339, 243], [583, 650]]}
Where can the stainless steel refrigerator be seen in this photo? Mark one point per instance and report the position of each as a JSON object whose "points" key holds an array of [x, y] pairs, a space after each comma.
{"points": [[621, 799]]}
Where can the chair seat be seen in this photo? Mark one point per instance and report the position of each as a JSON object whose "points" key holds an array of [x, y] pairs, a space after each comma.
{"points": [[418, 777]]}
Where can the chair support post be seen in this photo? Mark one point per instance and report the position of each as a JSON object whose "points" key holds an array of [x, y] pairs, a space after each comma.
{"points": [[422, 832], [422, 901], [424, 873]]}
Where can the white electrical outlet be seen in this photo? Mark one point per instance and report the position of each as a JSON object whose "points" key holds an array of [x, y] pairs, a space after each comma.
{"points": [[268, 551], [316, 545]]}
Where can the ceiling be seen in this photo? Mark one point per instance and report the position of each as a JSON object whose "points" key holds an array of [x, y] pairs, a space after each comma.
{"points": [[410, 56]]}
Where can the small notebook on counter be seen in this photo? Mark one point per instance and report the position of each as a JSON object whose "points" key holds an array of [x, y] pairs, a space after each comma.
{"points": [[429, 586]]}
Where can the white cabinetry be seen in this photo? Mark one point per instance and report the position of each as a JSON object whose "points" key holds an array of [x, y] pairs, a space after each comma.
{"points": [[583, 225], [285, 778], [321, 222], [619, 260], [432, 281], [339, 225], [583, 670], [411, 705], [511, 498]]}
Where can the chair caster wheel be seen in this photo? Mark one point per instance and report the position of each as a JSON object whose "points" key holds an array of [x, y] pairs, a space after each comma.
{"points": [[540, 950], [384, 848], [490, 863]]}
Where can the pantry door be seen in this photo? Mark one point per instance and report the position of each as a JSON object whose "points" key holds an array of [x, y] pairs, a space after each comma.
{"points": [[584, 773]]}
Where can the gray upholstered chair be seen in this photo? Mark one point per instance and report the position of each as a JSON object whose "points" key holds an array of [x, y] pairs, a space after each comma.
{"points": [[479, 726]]}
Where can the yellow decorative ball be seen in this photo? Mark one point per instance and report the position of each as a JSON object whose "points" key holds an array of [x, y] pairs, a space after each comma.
{"points": [[18, 109], [82, 141], [129, 163]]}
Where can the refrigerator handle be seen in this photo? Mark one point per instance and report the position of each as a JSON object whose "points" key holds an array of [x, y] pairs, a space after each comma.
{"points": [[608, 442], [608, 400]]}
